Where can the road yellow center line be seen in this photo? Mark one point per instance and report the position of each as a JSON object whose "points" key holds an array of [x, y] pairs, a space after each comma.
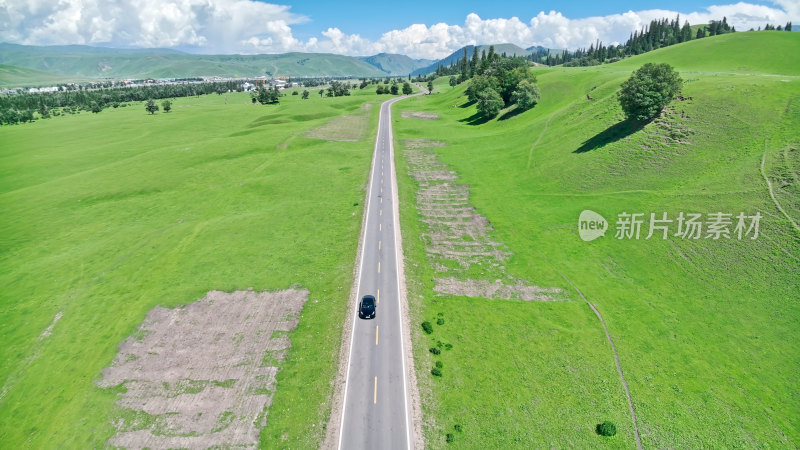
{"points": [[380, 213], [375, 394], [379, 267], [379, 245], [380, 227], [379, 296]]}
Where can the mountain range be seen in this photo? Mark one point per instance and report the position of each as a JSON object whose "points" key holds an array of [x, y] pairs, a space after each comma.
{"points": [[80, 62], [26, 65]]}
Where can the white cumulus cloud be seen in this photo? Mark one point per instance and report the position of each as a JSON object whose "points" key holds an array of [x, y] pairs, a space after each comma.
{"points": [[206, 25], [248, 26], [554, 30]]}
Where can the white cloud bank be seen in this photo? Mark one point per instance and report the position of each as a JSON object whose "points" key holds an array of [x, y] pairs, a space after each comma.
{"points": [[247, 26]]}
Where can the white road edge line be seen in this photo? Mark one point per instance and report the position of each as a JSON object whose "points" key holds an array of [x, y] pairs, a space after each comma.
{"points": [[396, 219], [358, 288]]}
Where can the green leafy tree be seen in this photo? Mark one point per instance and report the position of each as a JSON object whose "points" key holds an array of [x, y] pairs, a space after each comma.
{"points": [[44, 111], [339, 89], [379, 90], [649, 90], [151, 107], [509, 73], [394, 89], [26, 116], [407, 89], [489, 102], [526, 95], [453, 81], [480, 84], [267, 96], [305, 95], [430, 87], [95, 107], [166, 105]]}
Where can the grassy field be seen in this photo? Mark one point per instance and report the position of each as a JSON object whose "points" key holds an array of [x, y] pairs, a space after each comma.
{"points": [[11, 76], [704, 329], [106, 216]]}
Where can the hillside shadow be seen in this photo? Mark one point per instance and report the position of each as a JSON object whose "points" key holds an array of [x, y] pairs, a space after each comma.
{"points": [[467, 104], [619, 130], [475, 119], [511, 113]]}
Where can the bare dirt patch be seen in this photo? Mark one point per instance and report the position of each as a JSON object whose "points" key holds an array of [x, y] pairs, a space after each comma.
{"points": [[496, 289], [419, 115], [458, 240], [349, 128], [202, 375], [422, 143]]}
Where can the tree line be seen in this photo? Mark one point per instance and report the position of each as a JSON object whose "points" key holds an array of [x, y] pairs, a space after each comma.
{"points": [[22, 107], [660, 33]]}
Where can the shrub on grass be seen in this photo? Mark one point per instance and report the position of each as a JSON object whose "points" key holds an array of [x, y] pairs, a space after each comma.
{"points": [[450, 438], [440, 321], [458, 428], [448, 346], [437, 372], [606, 429], [439, 364], [427, 327], [435, 351], [649, 90]]}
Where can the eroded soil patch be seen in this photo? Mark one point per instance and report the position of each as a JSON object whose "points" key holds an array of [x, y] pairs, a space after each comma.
{"points": [[202, 375], [458, 240], [349, 128], [419, 115], [422, 143]]}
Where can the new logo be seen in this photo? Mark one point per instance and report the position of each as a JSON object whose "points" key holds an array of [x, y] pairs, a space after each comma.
{"points": [[591, 225]]}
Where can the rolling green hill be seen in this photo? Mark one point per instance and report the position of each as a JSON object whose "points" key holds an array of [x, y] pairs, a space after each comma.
{"points": [[92, 62], [704, 328], [11, 76], [394, 64]]}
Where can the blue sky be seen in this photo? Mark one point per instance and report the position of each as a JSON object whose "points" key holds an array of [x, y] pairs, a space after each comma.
{"points": [[420, 29], [370, 19]]}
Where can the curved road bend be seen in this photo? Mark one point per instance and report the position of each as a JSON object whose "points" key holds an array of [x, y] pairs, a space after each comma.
{"points": [[375, 413]]}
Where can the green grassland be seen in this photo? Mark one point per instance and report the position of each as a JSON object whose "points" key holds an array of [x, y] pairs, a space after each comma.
{"points": [[705, 329], [106, 216], [11, 76]]}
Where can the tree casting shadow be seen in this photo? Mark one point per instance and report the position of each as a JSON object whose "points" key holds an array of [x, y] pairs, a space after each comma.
{"points": [[611, 134], [475, 119], [510, 113]]}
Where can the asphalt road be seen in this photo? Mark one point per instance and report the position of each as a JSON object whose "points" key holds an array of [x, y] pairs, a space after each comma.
{"points": [[376, 404]]}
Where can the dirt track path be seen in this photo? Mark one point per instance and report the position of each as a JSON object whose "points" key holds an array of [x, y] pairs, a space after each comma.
{"points": [[772, 192], [616, 359]]}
